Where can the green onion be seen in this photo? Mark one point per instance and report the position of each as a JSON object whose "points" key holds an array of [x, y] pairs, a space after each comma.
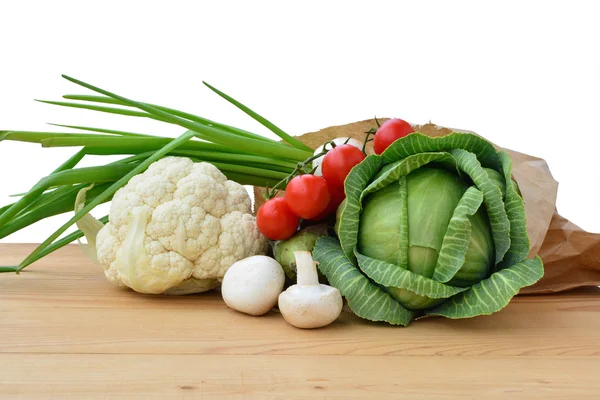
{"points": [[112, 146], [243, 156], [111, 110], [250, 170], [239, 158], [50, 196], [3, 209], [111, 131], [12, 210], [38, 137], [52, 206], [125, 145], [68, 177], [207, 132], [252, 180], [291, 140], [53, 247], [191, 117]]}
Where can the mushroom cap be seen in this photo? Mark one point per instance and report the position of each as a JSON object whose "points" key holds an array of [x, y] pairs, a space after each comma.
{"points": [[310, 306], [252, 285]]}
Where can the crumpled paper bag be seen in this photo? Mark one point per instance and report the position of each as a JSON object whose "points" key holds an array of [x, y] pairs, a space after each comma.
{"points": [[571, 255]]}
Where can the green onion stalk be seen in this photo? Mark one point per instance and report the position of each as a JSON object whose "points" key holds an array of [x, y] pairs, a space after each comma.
{"points": [[245, 157]]}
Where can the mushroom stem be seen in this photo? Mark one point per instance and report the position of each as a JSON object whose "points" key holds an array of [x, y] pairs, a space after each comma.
{"points": [[306, 268], [309, 304]]}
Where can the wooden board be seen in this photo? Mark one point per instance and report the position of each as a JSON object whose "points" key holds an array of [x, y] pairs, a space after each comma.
{"points": [[66, 333]]}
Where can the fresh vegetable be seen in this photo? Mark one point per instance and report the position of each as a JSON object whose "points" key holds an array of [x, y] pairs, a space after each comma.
{"points": [[304, 240], [307, 195], [317, 162], [426, 229], [176, 229], [244, 157], [339, 161], [390, 131], [309, 304], [253, 285], [336, 196], [276, 220], [89, 225]]}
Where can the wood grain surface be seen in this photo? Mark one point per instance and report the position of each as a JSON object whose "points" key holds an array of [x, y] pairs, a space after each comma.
{"points": [[66, 333]]}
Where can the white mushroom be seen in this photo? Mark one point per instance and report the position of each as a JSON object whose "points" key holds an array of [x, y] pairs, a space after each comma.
{"points": [[309, 304], [253, 284]]}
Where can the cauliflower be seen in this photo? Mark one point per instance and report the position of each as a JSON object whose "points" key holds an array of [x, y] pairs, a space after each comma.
{"points": [[176, 229]]}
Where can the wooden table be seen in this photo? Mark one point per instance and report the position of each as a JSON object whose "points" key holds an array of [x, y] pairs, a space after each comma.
{"points": [[66, 333]]}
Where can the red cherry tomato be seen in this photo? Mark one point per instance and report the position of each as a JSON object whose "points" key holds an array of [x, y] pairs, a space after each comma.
{"points": [[390, 131], [336, 195], [307, 195], [338, 162], [275, 220]]}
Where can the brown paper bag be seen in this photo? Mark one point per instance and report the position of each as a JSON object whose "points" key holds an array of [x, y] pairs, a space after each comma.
{"points": [[571, 255]]}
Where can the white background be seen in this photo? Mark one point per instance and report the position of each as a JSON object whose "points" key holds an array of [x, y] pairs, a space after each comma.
{"points": [[524, 74]]}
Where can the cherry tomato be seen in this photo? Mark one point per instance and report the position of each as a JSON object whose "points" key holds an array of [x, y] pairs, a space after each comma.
{"points": [[307, 195], [275, 220], [338, 162], [336, 195], [390, 131]]}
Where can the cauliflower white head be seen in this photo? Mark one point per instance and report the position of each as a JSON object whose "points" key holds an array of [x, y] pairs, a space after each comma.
{"points": [[177, 228]]}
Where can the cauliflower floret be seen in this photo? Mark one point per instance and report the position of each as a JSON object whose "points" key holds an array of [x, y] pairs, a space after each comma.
{"points": [[239, 237], [107, 245], [177, 228]]}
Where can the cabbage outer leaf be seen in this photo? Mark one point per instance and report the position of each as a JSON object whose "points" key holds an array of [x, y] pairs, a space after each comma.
{"points": [[418, 143], [492, 294], [365, 298], [349, 216], [390, 275], [515, 209]]}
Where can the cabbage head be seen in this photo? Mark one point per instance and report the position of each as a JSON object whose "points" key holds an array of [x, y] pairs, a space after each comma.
{"points": [[433, 226]]}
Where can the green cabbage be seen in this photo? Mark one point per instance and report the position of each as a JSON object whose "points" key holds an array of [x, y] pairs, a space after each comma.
{"points": [[433, 226]]}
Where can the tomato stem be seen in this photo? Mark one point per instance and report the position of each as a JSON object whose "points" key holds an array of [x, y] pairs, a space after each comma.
{"points": [[368, 138], [299, 170], [368, 133], [377, 122]]}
